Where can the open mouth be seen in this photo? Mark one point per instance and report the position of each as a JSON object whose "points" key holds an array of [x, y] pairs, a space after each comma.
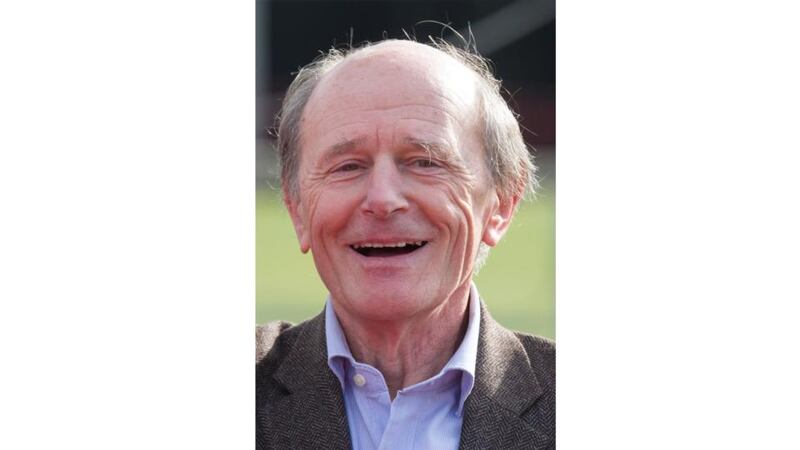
{"points": [[400, 248]]}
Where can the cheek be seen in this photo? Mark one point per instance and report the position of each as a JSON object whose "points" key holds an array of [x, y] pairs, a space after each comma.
{"points": [[330, 211], [450, 207], [468, 212]]}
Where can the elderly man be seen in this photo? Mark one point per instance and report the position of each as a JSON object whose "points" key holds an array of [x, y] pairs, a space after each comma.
{"points": [[401, 165]]}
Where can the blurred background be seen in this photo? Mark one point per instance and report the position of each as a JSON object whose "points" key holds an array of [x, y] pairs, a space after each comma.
{"points": [[517, 36]]}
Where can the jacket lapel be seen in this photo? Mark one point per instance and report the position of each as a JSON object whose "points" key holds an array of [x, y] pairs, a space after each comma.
{"points": [[505, 389], [312, 413]]}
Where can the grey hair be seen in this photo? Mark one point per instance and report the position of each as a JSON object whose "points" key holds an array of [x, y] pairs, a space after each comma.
{"points": [[507, 157]]}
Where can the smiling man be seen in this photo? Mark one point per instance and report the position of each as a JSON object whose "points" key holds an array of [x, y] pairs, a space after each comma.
{"points": [[401, 166]]}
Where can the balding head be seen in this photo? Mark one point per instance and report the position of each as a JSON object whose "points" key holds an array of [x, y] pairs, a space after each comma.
{"points": [[402, 60], [399, 65]]}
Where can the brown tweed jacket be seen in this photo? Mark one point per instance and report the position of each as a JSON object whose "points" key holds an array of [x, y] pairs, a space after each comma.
{"points": [[299, 401]]}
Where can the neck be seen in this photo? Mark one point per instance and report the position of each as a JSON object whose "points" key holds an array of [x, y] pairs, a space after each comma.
{"points": [[413, 349]]}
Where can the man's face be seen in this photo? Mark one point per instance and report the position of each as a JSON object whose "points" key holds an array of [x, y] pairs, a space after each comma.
{"points": [[395, 195]]}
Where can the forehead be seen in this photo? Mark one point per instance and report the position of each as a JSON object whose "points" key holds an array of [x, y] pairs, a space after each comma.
{"points": [[412, 86]]}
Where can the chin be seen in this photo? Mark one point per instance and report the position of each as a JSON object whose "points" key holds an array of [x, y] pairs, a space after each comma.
{"points": [[388, 302]]}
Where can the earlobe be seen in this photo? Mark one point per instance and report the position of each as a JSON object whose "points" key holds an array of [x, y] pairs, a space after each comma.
{"points": [[295, 208], [498, 222]]}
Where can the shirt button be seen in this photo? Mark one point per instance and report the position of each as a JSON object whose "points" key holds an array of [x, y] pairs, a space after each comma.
{"points": [[359, 380]]}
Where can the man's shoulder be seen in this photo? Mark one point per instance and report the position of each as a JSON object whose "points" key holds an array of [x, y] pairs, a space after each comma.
{"points": [[539, 346], [502, 349], [513, 402], [274, 340], [541, 358], [298, 399], [541, 353], [268, 334]]}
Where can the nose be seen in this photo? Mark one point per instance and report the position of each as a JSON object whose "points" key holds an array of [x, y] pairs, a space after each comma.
{"points": [[385, 191]]}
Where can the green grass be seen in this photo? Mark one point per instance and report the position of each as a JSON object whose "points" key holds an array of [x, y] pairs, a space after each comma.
{"points": [[517, 282]]}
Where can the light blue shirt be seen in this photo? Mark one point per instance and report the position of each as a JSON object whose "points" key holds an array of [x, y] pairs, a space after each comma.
{"points": [[427, 415]]}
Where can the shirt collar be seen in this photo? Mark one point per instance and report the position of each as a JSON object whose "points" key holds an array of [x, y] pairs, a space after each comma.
{"points": [[464, 359]]}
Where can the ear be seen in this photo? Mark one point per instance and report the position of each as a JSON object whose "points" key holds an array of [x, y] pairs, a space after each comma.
{"points": [[295, 207], [502, 211]]}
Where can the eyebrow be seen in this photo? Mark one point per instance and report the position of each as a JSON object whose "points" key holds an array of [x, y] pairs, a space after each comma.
{"points": [[440, 151], [339, 148]]}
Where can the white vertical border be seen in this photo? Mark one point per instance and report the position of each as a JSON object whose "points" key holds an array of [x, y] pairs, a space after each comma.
{"points": [[677, 225], [127, 199]]}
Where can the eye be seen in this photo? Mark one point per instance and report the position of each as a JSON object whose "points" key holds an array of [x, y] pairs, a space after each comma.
{"points": [[425, 163], [348, 167]]}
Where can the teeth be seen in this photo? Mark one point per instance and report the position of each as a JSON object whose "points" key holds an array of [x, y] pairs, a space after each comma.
{"points": [[395, 245]]}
